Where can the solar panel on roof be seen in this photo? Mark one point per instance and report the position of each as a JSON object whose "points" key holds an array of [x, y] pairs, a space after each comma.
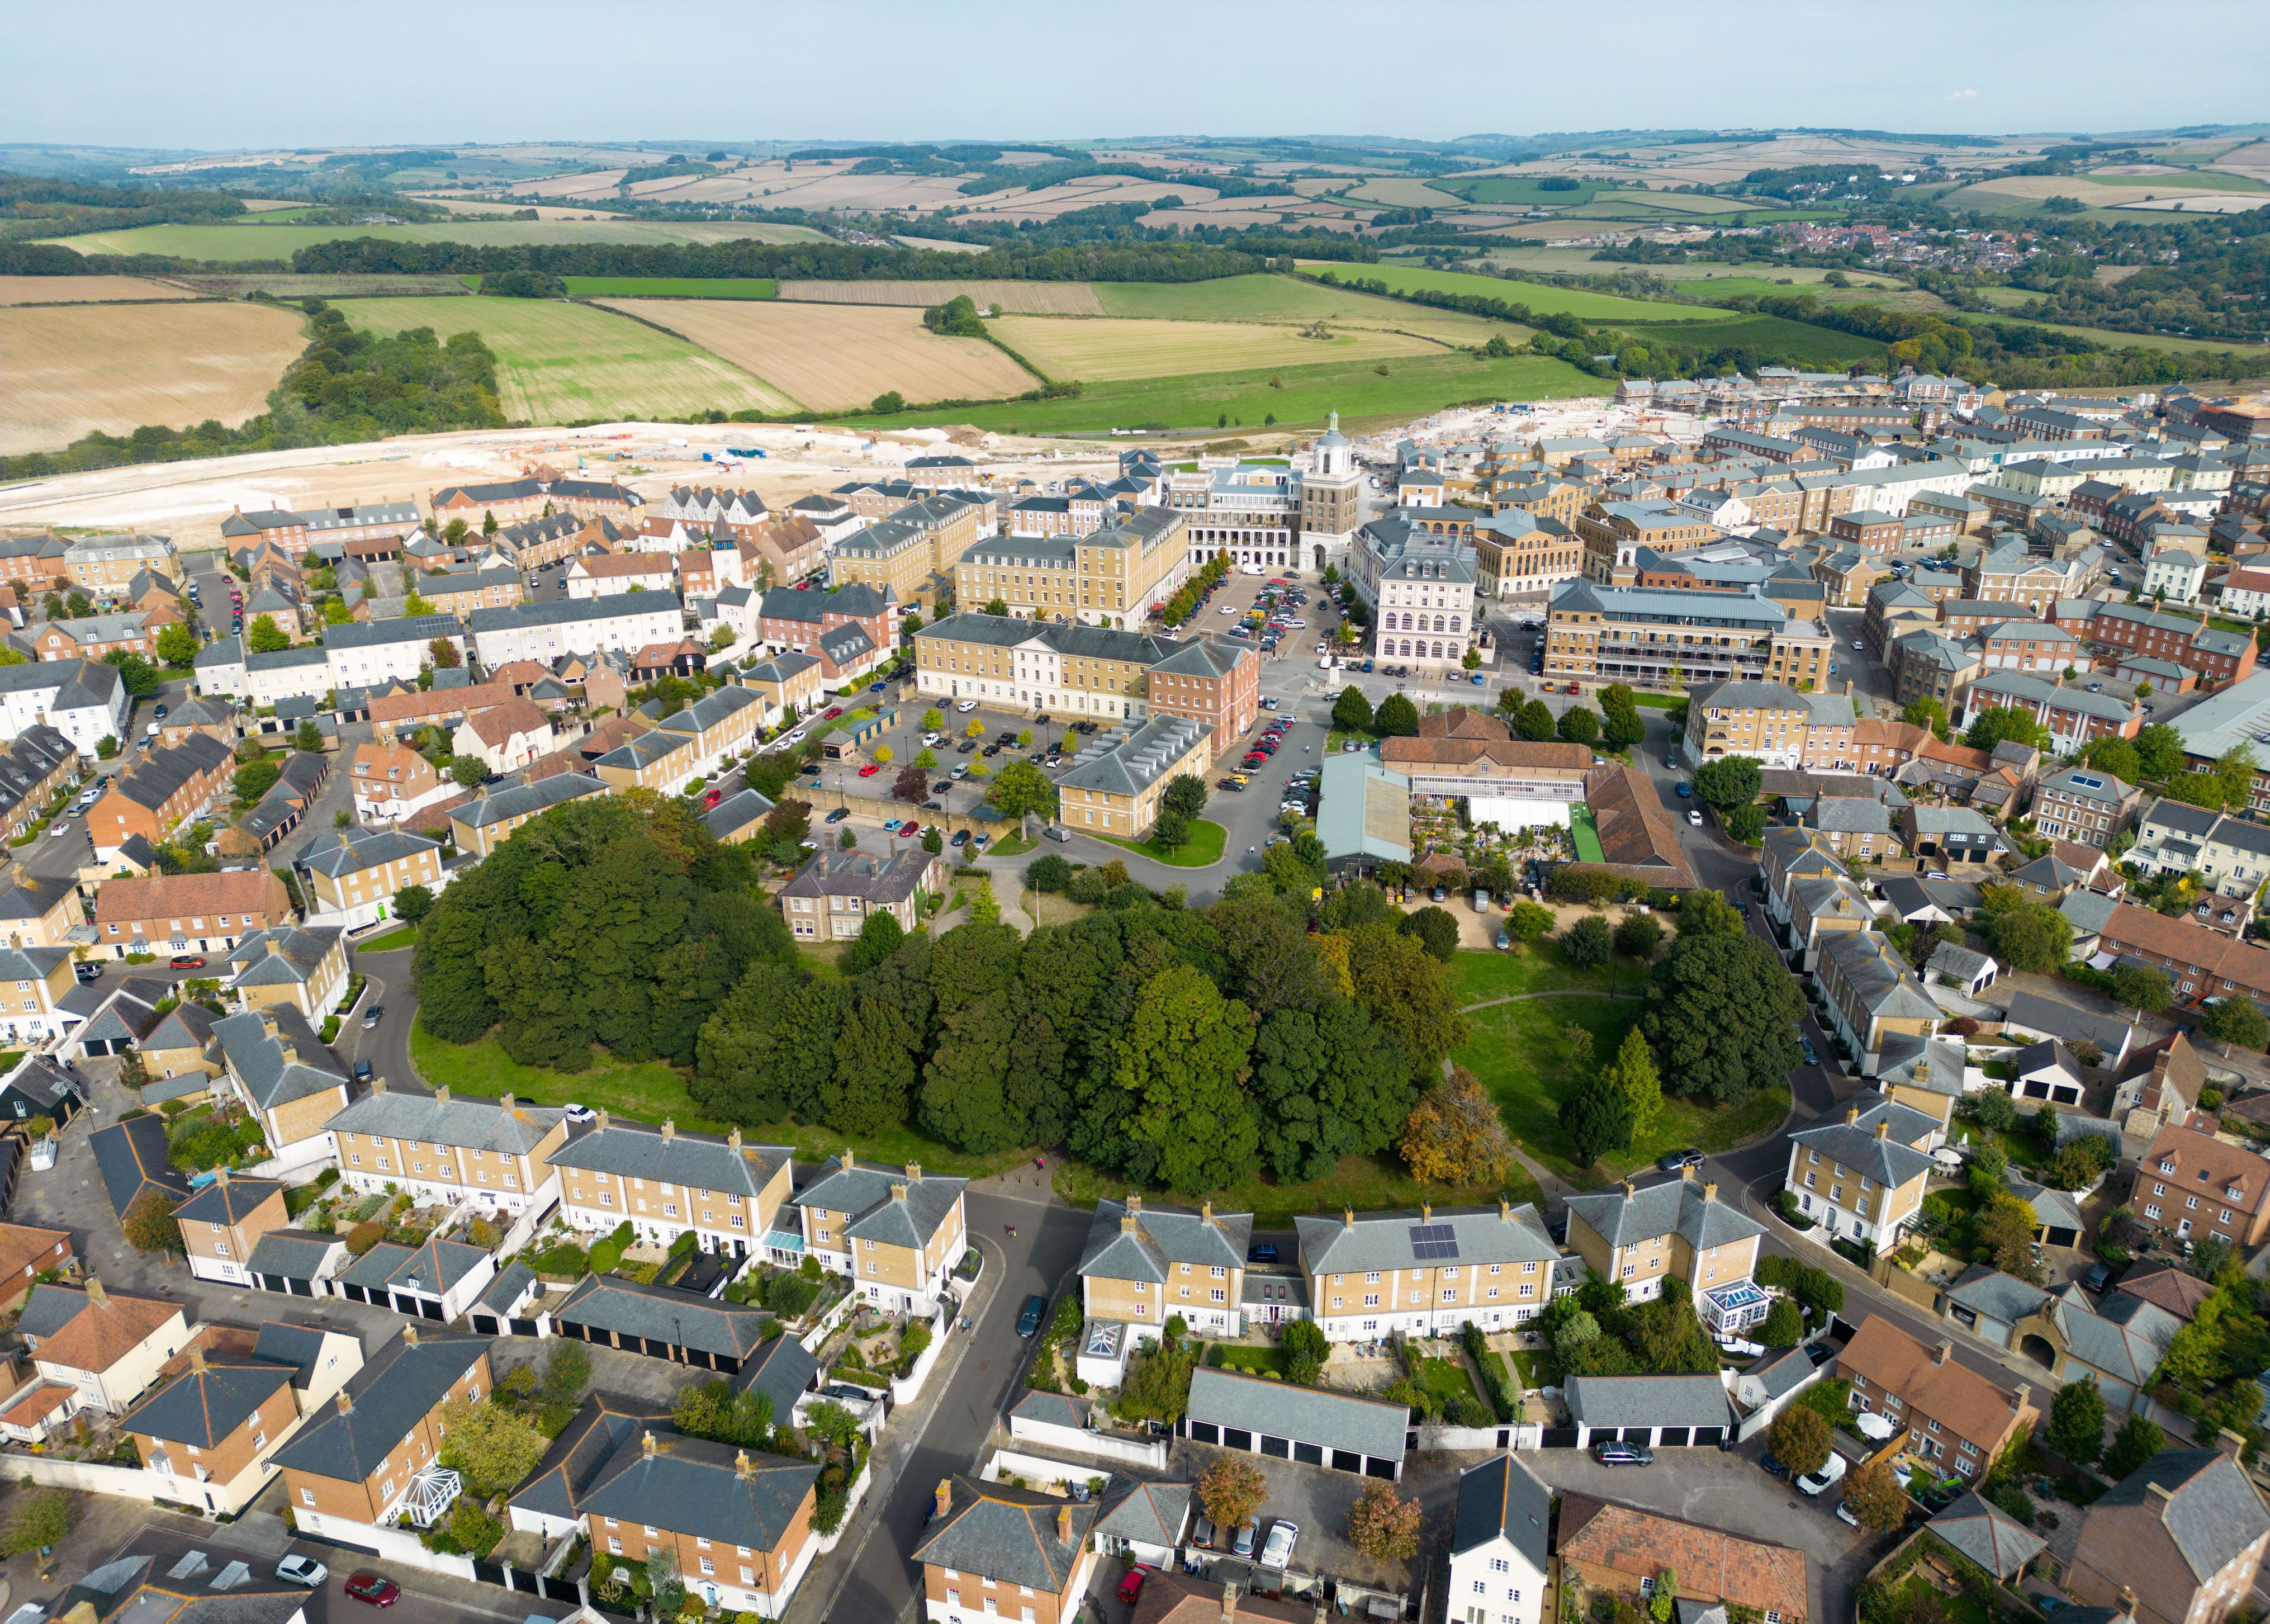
{"points": [[1433, 1242]]}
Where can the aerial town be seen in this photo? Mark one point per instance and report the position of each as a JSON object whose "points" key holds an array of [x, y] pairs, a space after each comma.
{"points": [[655, 977]]}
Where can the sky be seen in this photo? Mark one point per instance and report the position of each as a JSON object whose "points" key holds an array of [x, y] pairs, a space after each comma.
{"points": [[228, 76]]}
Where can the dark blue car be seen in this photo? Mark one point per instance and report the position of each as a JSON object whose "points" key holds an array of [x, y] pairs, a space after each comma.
{"points": [[1028, 1323]]}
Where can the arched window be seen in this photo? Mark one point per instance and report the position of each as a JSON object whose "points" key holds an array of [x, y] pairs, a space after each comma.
{"points": [[1454, 623], [1438, 623]]}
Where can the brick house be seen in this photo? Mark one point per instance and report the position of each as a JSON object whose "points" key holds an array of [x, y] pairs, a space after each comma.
{"points": [[989, 1548], [897, 1234], [2180, 1540], [354, 1467], [1624, 1549], [2195, 1184], [1141, 1265], [1116, 783], [1211, 681], [224, 1221], [2084, 806], [2199, 963], [188, 913], [667, 1184], [1959, 1419], [26, 1253], [152, 796], [92, 636]]}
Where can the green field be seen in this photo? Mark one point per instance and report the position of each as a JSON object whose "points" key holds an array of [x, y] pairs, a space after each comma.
{"points": [[564, 363], [2111, 339], [1286, 298], [225, 244], [1538, 296], [669, 287], [1797, 344], [1412, 387], [1516, 188]]}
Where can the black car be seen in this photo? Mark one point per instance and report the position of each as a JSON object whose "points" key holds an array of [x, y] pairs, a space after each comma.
{"points": [[839, 814], [844, 1389], [933, 806], [2098, 1277], [1028, 1323], [968, 744], [1263, 1253], [991, 750], [1773, 1468], [941, 786], [362, 1071], [1818, 1353]]}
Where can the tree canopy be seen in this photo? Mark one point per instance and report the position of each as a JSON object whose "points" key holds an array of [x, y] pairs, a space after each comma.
{"points": [[1721, 1018]]}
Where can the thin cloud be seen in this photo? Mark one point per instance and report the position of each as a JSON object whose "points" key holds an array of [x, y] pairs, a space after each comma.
{"points": [[1964, 95]]}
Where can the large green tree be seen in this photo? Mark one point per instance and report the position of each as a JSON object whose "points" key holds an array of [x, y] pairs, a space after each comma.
{"points": [[1407, 991], [2077, 1422], [1633, 1071], [1352, 711], [1721, 1018], [1020, 788], [1181, 1061], [1730, 780], [2159, 751], [1579, 726], [2005, 724], [1596, 1115], [177, 644], [2032, 937], [265, 636], [1396, 717], [1327, 1085], [1536, 723]]}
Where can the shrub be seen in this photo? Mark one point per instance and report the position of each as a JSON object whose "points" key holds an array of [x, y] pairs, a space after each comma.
{"points": [[362, 1237]]}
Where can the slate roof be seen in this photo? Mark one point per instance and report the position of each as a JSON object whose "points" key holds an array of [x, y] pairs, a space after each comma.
{"points": [[227, 1200], [575, 1458], [2125, 1337], [338, 853], [1384, 1239], [1647, 1401], [1161, 1236], [2211, 1512], [1125, 761], [782, 1370], [1958, 964], [865, 1192], [1308, 1414], [1502, 1498], [142, 1590], [1622, 1215], [204, 1407], [402, 1383], [1988, 1535], [1987, 1290], [293, 1064], [292, 1254], [1886, 986], [430, 1270], [701, 1162], [661, 1314], [298, 953], [521, 799], [2029, 1011], [131, 1157], [1150, 1513], [1008, 1535], [462, 1120]]}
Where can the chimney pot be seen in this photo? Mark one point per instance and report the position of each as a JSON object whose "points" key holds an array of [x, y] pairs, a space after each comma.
{"points": [[1852, 1113], [1709, 1192], [646, 1445], [914, 1173], [1941, 1351], [1426, 1212], [1883, 1130]]}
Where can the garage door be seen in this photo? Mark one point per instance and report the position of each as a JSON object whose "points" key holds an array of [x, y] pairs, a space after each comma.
{"points": [[1713, 1435], [1204, 1432], [1344, 1461], [1559, 1438], [1674, 1437], [1237, 1438], [1375, 1467], [1309, 1454], [1281, 1448]]}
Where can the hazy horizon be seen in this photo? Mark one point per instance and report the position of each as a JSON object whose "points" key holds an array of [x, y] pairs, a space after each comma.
{"points": [[248, 76]]}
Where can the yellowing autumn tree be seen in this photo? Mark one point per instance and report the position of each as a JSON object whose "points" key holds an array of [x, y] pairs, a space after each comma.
{"points": [[1453, 1136]]}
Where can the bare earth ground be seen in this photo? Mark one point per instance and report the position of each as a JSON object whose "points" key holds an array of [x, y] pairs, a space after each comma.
{"points": [[67, 370], [79, 290], [834, 356]]}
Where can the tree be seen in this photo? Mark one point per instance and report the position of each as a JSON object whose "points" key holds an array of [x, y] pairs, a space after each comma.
{"points": [[309, 738], [1382, 1526], [2160, 754], [1579, 726], [2077, 1422], [469, 771], [1589, 942], [1396, 717], [933, 841], [254, 780], [1926, 712], [177, 645], [1597, 1117], [1536, 723], [413, 903], [1022, 789], [1730, 780], [1455, 1136], [2030, 937], [1352, 711], [1709, 912], [140, 676], [1437, 931], [1638, 936], [1232, 1489], [1047, 872], [1526, 920], [2235, 1022], [1178, 1065], [996, 606], [883, 755], [491, 1445], [1306, 1349], [150, 1225], [1634, 1072], [2004, 1229], [1329, 1082], [2006, 724], [2142, 988], [1783, 1325], [2137, 1441], [1408, 992], [1721, 1018], [1800, 1438], [790, 822], [265, 636], [2115, 755], [877, 939], [40, 1519], [1875, 1496]]}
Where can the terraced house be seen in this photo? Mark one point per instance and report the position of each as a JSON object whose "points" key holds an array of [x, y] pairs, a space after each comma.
{"points": [[187, 912], [354, 874], [1959, 1419], [1640, 1238], [496, 1150], [668, 1184], [1427, 1273], [1862, 1178], [286, 1075], [1086, 670], [1873, 996], [1141, 1266], [687, 744], [152, 796], [357, 1466], [482, 824], [897, 1234]]}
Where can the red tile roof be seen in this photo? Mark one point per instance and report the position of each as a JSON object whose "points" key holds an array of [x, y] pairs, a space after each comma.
{"points": [[1625, 1539]]}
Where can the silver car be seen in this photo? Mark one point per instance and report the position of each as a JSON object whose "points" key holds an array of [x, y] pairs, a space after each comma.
{"points": [[1277, 1551]]}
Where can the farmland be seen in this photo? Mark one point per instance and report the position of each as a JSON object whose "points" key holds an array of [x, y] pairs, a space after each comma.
{"points": [[835, 357], [82, 289], [667, 287], [1797, 343], [225, 244], [1516, 188], [66, 371], [1538, 297], [1411, 386], [1285, 299], [286, 285], [1016, 298], [563, 363], [1109, 350]]}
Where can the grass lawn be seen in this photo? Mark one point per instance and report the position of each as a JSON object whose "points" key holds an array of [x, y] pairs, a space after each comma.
{"points": [[1013, 846], [407, 937], [1447, 1380], [1660, 701], [1516, 1050], [1532, 1367], [1202, 849], [1367, 1184], [1256, 1360], [653, 1090], [1538, 968]]}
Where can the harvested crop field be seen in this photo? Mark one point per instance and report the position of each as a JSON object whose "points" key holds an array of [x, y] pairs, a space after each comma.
{"points": [[668, 287], [562, 363], [1015, 297], [1281, 298], [82, 289], [286, 284], [225, 244], [1099, 350], [829, 357], [66, 371]]}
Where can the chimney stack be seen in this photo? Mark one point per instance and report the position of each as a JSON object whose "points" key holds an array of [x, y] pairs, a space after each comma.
{"points": [[1504, 1210], [2229, 1442], [1206, 1213], [741, 1467], [2024, 1391], [2127, 1602], [377, 1085], [944, 1502], [1229, 1604], [603, 1119], [1709, 1192], [442, 1094], [1883, 1130], [505, 1104], [1852, 1114], [646, 1445], [409, 1336], [346, 1404], [1426, 1212], [1630, 1190], [898, 1191], [197, 1359], [1347, 1217], [1132, 1220], [733, 1139], [95, 1293], [846, 1162], [1064, 1524], [669, 1129], [914, 1173], [1940, 1351], [221, 1174], [1686, 1175]]}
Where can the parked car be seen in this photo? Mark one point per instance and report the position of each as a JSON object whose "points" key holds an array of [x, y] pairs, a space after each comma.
{"points": [[966, 706], [302, 1570], [579, 1113], [839, 814], [1057, 832], [1832, 1471], [1203, 1535], [1680, 1161], [868, 771], [186, 961], [376, 1589], [87, 972], [1028, 1323], [844, 1389], [1844, 1515], [362, 1071], [1263, 1251], [1695, 819], [370, 1016], [1242, 1543], [2097, 1279], [1131, 1586], [1624, 1454], [1686, 789], [1773, 1467]]}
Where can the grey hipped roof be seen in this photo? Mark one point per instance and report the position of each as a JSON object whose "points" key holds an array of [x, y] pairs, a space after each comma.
{"points": [[2211, 1512], [692, 1485], [1366, 1241], [1886, 1159], [278, 1067], [227, 1200], [132, 1156], [1624, 1216], [2124, 1336], [876, 1213], [782, 1370], [1160, 1237], [1648, 1401], [575, 1457], [1306, 1415], [292, 1254], [697, 1160], [1987, 1290], [204, 1405], [402, 1383], [1009, 1535], [2029, 1011], [1988, 1535], [1146, 1512], [1502, 1498]]}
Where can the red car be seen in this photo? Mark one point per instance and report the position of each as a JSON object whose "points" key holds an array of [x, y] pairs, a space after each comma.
{"points": [[1131, 1586], [909, 830], [375, 1589], [834, 711], [187, 961], [870, 769], [711, 798]]}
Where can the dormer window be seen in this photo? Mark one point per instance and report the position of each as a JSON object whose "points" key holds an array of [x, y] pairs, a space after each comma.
{"points": [[2166, 1166]]}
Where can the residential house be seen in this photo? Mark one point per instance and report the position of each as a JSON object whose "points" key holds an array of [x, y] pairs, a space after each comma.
{"points": [[1501, 1534], [832, 896], [1927, 1075], [302, 966], [31, 1009], [616, 621], [187, 912], [1873, 996], [284, 1075], [2084, 806], [1862, 1178], [621, 572], [85, 700], [39, 765], [1958, 1420], [2231, 854], [2199, 963], [480, 825], [897, 1234], [92, 636], [224, 1221], [1981, 1532], [2035, 1016], [1118, 778], [353, 875], [505, 736], [1822, 905], [2180, 1540], [1681, 1229], [1626, 1551], [106, 1347], [357, 1465], [2195, 1183], [1142, 1266], [438, 1147], [1949, 842], [689, 744], [25, 1254], [2161, 1085], [1088, 672], [209, 1430], [154, 794], [668, 1184], [988, 1549], [133, 1158], [2072, 715]]}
